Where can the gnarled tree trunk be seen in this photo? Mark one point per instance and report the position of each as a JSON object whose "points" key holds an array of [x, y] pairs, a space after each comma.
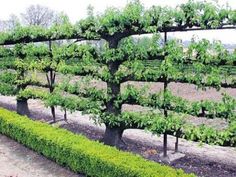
{"points": [[22, 107], [113, 136]]}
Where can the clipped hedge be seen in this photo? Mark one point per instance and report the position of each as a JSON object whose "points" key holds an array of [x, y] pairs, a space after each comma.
{"points": [[79, 153]]}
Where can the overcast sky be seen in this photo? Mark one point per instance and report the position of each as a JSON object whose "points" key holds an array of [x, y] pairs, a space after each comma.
{"points": [[77, 9]]}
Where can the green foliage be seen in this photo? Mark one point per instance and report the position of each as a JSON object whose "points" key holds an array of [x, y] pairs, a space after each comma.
{"points": [[81, 88], [77, 152], [73, 103], [7, 89], [140, 49], [5, 52], [171, 124], [222, 109], [32, 93], [7, 63], [198, 65], [124, 58], [57, 98], [38, 33], [210, 135], [33, 51], [74, 53], [8, 77], [137, 19], [209, 53], [133, 19]]}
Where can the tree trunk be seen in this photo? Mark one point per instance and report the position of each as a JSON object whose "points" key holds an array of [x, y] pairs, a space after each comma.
{"points": [[177, 140], [65, 115], [165, 145], [22, 107], [53, 113], [51, 81], [177, 144], [113, 136]]}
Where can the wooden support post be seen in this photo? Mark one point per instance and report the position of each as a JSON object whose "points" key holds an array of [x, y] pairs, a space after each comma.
{"points": [[165, 109], [51, 81]]}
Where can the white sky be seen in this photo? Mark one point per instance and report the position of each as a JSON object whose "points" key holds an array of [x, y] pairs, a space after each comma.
{"points": [[77, 9]]}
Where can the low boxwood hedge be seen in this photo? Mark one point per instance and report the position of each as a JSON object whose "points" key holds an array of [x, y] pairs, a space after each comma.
{"points": [[78, 152]]}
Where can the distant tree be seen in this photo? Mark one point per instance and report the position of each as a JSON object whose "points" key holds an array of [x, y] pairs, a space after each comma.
{"points": [[2, 25], [90, 10], [39, 15], [9, 24], [13, 21]]}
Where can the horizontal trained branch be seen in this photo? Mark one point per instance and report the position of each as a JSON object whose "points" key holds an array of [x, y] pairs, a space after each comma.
{"points": [[226, 108]]}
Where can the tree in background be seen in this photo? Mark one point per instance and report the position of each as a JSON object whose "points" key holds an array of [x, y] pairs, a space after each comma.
{"points": [[34, 15], [39, 15], [9, 24]]}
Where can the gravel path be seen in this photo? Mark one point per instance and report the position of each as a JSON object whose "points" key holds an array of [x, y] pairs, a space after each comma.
{"points": [[18, 161]]}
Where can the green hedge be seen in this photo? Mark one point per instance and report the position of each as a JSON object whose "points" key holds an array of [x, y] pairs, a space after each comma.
{"points": [[79, 153]]}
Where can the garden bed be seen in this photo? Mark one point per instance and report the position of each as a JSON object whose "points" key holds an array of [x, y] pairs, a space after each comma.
{"points": [[192, 162]]}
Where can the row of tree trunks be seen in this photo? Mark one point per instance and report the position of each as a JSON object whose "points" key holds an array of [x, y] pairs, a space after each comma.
{"points": [[113, 134]]}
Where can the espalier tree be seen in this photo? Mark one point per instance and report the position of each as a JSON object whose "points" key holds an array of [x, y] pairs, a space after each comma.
{"points": [[24, 58], [15, 76], [57, 57], [117, 25], [30, 65], [122, 60], [202, 64]]}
